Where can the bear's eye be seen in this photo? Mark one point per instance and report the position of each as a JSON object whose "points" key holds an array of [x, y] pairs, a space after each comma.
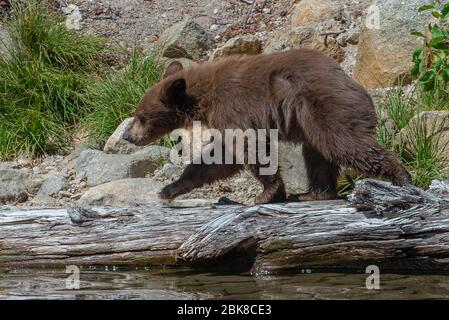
{"points": [[141, 118]]}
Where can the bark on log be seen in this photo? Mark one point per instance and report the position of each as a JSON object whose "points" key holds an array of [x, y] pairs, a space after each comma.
{"points": [[396, 228]]}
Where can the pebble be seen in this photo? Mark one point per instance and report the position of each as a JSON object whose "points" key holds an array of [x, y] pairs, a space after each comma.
{"points": [[266, 10], [65, 194], [76, 196]]}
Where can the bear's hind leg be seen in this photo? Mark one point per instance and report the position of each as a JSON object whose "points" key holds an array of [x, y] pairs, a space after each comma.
{"points": [[321, 174], [373, 160], [273, 187]]}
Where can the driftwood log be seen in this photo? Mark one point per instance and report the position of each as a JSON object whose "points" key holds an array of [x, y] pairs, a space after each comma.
{"points": [[396, 228]]}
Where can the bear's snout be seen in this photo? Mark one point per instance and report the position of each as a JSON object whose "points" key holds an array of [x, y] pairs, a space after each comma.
{"points": [[136, 134], [126, 136]]}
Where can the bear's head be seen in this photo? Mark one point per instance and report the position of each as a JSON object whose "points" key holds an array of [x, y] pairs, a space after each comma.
{"points": [[164, 108]]}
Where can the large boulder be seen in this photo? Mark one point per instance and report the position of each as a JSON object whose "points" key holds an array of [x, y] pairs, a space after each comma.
{"points": [[116, 143], [186, 39], [309, 12], [12, 185], [246, 44], [386, 45], [98, 167], [123, 193], [293, 169], [305, 37]]}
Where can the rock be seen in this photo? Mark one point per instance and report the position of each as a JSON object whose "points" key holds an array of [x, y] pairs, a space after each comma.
{"points": [[246, 44], [342, 15], [73, 17], [293, 169], [65, 194], [305, 37], [54, 183], [186, 63], [352, 36], [24, 163], [309, 12], [99, 167], [12, 185], [5, 43], [439, 188], [386, 48], [266, 10], [186, 39], [116, 143], [381, 96], [34, 183], [123, 193], [170, 170]]}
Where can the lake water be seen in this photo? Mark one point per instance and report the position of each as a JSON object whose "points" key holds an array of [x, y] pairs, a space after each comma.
{"points": [[185, 284]]}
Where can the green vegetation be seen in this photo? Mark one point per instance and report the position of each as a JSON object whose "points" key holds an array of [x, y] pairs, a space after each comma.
{"points": [[431, 63], [43, 82], [55, 80], [417, 141], [420, 142], [114, 98]]}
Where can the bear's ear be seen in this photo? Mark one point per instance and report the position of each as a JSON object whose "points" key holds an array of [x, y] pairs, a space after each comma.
{"points": [[175, 95], [172, 68]]}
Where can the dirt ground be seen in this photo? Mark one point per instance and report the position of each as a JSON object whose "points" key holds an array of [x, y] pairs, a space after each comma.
{"points": [[142, 21]]}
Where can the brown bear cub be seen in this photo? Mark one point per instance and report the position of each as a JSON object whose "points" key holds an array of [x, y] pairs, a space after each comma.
{"points": [[302, 93]]}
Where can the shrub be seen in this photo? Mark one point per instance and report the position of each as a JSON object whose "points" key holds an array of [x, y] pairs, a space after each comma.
{"points": [[431, 63]]}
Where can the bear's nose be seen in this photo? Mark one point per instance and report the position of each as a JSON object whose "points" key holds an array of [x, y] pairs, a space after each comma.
{"points": [[126, 136]]}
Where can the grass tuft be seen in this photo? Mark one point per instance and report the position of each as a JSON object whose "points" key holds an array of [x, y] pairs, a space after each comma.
{"points": [[115, 97], [39, 35], [420, 144], [53, 78]]}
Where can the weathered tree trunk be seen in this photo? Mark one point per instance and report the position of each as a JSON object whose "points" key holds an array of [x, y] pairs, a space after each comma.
{"points": [[396, 228]]}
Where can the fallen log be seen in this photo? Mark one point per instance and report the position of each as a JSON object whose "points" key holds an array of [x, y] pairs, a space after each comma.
{"points": [[397, 228], [137, 236]]}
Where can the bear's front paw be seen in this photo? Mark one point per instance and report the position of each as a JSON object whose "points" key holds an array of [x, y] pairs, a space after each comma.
{"points": [[166, 193]]}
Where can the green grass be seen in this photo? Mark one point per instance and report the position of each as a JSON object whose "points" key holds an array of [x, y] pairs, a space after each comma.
{"points": [[55, 81], [437, 99], [38, 106], [43, 82], [115, 97], [420, 146], [427, 152], [39, 35]]}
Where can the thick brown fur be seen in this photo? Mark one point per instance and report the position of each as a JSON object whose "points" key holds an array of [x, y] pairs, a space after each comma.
{"points": [[302, 93]]}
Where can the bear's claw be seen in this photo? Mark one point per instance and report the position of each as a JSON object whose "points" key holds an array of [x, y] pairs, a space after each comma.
{"points": [[166, 194]]}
